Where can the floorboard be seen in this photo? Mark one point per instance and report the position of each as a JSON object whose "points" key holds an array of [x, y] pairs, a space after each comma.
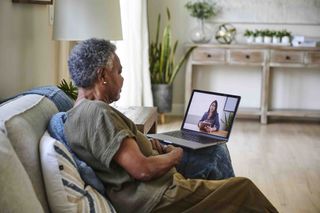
{"points": [[281, 158]]}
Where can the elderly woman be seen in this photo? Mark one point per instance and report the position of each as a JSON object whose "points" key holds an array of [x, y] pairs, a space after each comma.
{"points": [[138, 176]]}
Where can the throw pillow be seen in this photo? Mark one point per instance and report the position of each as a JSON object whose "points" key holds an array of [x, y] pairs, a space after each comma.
{"points": [[65, 189], [56, 130]]}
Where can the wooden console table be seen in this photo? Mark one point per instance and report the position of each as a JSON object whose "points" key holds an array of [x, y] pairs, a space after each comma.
{"points": [[145, 118], [264, 56]]}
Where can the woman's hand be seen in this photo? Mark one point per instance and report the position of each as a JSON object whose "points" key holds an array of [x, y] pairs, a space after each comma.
{"points": [[210, 129], [175, 151], [156, 145], [203, 125]]}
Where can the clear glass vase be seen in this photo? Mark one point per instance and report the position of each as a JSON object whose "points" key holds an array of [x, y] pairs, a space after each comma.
{"points": [[201, 33]]}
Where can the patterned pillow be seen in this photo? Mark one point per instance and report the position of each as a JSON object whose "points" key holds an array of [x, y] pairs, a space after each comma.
{"points": [[65, 189]]}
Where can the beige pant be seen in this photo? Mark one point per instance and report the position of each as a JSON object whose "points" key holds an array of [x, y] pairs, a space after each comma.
{"points": [[198, 196]]}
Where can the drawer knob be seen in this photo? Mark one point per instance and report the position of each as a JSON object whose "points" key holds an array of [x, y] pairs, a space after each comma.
{"points": [[209, 55], [247, 56], [288, 57]]}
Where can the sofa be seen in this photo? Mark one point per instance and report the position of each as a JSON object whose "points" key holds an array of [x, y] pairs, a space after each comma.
{"points": [[37, 173]]}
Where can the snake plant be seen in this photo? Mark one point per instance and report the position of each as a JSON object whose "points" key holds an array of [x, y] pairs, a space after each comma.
{"points": [[163, 68]]}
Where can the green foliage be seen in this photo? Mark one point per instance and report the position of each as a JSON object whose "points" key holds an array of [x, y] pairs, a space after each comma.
{"points": [[69, 89], [163, 68], [285, 33], [248, 33], [267, 32], [202, 10], [228, 120]]}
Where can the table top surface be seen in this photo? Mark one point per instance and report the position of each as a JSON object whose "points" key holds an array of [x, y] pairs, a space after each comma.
{"points": [[143, 117], [137, 114]]}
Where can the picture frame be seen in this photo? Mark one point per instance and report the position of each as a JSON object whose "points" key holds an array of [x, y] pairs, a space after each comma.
{"points": [[33, 1]]}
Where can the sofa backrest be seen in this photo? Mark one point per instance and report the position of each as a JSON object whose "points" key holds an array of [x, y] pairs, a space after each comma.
{"points": [[24, 120], [16, 191]]}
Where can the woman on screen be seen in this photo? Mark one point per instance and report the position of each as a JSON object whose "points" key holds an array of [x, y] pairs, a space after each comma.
{"points": [[210, 119]]}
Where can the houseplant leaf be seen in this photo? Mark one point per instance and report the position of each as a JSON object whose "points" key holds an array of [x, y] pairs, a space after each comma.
{"points": [[178, 66]]}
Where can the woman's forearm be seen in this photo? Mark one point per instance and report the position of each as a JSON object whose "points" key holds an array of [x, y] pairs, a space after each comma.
{"points": [[156, 166], [145, 168]]}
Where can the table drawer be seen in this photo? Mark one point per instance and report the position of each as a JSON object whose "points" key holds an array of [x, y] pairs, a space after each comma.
{"points": [[209, 55], [246, 56], [313, 58], [287, 57]]}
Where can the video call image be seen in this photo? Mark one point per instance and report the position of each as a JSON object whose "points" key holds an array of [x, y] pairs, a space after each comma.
{"points": [[212, 114]]}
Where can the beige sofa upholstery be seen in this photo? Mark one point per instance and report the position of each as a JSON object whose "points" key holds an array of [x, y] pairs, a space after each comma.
{"points": [[23, 121], [37, 172]]}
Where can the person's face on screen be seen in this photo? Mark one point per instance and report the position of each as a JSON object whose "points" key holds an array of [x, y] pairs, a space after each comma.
{"points": [[213, 107]]}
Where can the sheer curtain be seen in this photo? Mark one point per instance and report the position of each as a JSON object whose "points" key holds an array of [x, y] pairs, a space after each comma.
{"points": [[133, 54]]}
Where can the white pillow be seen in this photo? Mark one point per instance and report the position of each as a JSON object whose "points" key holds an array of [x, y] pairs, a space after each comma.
{"points": [[65, 189]]}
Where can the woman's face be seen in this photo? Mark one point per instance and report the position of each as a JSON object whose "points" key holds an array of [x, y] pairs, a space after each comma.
{"points": [[114, 80], [213, 107]]}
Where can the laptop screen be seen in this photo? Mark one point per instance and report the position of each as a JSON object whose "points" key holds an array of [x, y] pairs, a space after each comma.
{"points": [[211, 113]]}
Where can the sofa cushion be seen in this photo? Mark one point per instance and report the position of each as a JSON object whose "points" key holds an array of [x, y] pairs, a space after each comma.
{"points": [[65, 189], [56, 130], [16, 191], [24, 120], [56, 95]]}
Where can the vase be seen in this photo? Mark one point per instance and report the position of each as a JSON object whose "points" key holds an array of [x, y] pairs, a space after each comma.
{"points": [[259, 39], [267, 40], [285, 40], [201, 33], [276, 40], [162, 97], [249, 39]]}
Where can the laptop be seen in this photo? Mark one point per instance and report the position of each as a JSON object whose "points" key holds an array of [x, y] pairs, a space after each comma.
{"points": [[208, 121]]}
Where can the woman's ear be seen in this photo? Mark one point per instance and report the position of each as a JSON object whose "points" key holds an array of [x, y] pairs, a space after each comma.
{"points": [[101, 74]]}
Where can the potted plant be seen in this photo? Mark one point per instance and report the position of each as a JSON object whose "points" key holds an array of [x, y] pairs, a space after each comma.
{"points": [[70, 89], [258, 34], [228, 120], [201, 10], [267, 36], [248, 34], [163, 67], [277, 37], [286, 37]]}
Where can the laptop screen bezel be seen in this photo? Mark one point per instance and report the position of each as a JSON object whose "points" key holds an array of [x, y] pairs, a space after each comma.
{"points": [[211, 93]]}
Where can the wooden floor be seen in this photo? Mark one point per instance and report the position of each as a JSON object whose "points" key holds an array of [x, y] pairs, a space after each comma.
{"points": [[281, 158]]}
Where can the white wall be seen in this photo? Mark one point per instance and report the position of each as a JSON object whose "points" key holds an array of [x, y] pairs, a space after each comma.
{"points": [[28, 56], [293, 88]]}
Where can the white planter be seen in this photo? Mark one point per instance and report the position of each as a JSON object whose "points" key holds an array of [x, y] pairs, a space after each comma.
{"points": [[276, 40], [249, 39], [285, 40], [267, 40], [259, 39]]}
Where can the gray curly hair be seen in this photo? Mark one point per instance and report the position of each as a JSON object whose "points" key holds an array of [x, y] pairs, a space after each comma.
{"points": [[87, 57]]}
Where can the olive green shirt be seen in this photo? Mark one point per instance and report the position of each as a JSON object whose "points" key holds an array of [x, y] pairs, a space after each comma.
{"points": [[95, 131]]}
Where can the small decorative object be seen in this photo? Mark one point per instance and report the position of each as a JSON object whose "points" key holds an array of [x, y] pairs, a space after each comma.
{"points": [[258, 34], [248, 34], [276, 37], [202, 10], [286, 37], [226, 33], [268, 36]]}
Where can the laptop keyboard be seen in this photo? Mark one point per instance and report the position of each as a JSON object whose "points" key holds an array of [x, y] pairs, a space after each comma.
{"points": [[191, 137]]}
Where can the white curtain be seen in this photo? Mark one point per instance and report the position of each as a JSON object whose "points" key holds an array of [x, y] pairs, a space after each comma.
{"points": [[133, 54]]}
